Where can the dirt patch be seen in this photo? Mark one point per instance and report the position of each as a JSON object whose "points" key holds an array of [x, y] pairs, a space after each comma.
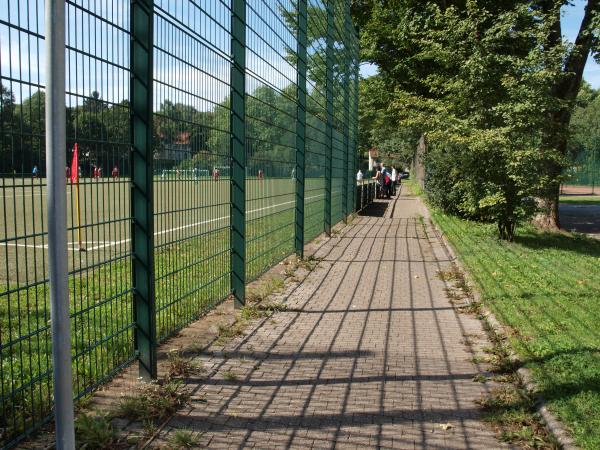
{"points": [[579, 190]]}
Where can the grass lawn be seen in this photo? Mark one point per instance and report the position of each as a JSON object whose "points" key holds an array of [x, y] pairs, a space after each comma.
{"points": [[546, 288], [580, 199]]}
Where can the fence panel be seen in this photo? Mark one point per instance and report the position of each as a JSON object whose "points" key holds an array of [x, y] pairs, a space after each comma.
{"points": [[191, 161], [584, 176], [317, 143], [98, 216], [271, 133]]}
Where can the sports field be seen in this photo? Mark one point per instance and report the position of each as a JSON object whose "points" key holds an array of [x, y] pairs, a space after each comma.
{"points": [[183, 208]]}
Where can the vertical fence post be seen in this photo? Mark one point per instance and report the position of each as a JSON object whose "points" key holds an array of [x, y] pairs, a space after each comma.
{"points": [[301, 127], [593, 169], [346, 147], [238, 151], [329, 97], [56, 202], [355, 77], [348, 176], [142, 237]]}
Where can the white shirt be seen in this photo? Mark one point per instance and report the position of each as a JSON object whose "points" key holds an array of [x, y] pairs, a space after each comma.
{"points": [[394, 173], [359, 176]]}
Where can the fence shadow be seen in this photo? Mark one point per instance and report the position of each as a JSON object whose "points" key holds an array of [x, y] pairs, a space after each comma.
{"points": [[375, 209], [333, 368]]}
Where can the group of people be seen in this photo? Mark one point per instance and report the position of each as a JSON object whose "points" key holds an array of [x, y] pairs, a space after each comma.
{"points": [[96, 172], [388, 180]]}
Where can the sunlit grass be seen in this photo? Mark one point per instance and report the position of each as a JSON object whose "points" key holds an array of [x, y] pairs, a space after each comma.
{"points": [[546, 288], [580, 199]]}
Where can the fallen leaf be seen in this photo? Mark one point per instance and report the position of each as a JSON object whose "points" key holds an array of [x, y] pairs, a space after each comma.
{"points": [[445, 426]]}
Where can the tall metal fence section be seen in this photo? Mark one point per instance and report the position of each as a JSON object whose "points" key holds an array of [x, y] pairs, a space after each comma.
{"points": [[212, 140], [584, 176]]}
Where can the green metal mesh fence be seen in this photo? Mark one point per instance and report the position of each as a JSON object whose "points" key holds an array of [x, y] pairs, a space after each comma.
{"points": [[191, 106], [586, 170], [191, 142], [98, 207], [316, 121], [271, 90]]}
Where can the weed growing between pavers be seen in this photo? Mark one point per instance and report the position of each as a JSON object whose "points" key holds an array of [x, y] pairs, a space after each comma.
{"points": [[229, 375], [183, 439], [153, 402], [96, 433], [545, 287], [180, 366], [256, 307]]}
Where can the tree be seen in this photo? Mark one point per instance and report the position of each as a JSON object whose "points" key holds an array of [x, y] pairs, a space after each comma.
{"points": [[31, 113], [377, 127], [564, 90], [7, 141], [473, 76], [470, 70]]}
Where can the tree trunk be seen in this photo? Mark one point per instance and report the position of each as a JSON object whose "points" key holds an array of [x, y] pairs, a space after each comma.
{"points": [[548, 219], [566, 90]]}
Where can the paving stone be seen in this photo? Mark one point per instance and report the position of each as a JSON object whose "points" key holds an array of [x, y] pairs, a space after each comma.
{"points": [[369, 354]]}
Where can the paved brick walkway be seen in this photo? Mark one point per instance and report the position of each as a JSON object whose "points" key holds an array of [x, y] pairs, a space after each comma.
{"points": [[371, 353]]}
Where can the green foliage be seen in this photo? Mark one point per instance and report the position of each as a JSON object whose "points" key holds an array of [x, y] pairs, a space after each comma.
{"points": [[474, 77], [458, 69], [376, 129]]}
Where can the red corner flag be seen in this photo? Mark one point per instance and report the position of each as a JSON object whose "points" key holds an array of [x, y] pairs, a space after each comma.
{"points": [[75, 166]]}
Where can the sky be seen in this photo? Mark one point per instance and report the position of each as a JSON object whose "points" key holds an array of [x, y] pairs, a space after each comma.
{"points": [[571, 20]]}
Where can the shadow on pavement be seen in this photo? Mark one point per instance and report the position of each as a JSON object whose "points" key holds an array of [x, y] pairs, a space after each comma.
{"points": [[581, 218], [375, 209]]}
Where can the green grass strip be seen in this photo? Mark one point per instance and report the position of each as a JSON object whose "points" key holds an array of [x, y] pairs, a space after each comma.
{"points": [[546, 288]]}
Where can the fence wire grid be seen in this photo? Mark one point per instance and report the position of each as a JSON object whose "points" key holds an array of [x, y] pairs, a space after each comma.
{"points": [[300, 110]]}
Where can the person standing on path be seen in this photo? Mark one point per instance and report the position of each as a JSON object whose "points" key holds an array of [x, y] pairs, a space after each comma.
{"points": [[386, 181], [377, 179]]}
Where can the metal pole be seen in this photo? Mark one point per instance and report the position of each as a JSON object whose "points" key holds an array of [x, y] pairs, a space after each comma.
{"points": [[354, 146], [593, 169], [301, 127], [238, 152], [56, 204], [329, 96], [142, 213], [349, 178]]}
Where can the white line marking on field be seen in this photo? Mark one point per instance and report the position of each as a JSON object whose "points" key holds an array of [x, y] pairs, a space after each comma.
{"points": [[30, 194], [105, 244], [191, 225]]}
